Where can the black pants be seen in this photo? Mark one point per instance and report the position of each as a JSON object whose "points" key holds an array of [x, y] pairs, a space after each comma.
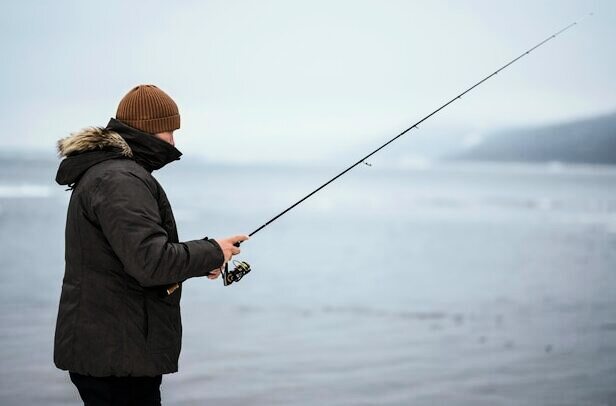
{"points": [[118, 391]]}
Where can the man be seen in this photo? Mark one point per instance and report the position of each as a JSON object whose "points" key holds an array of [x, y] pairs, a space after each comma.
{"points": [[118, 328]]}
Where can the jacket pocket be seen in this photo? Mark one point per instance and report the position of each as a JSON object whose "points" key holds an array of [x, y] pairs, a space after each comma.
{"points": [[163, 334]]}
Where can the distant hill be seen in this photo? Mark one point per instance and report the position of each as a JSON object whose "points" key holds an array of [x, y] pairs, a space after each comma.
{"points": [[590, 140]]}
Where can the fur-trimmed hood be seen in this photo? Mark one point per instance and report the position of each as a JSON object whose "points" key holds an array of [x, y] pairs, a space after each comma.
{"points": [[92, 145], [92, 139]]}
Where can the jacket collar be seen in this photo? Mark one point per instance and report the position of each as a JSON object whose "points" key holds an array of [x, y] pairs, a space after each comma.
{"points": [[147, 150]]}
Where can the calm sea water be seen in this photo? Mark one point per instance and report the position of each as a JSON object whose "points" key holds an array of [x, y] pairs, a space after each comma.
{"points": [[460, 284]]}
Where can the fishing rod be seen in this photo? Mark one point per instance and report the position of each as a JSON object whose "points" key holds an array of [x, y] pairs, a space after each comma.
{"points": [[242, 267]]}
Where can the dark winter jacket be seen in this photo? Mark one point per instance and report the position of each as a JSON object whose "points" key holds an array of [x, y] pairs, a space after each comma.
{"points": [[122, 250]]}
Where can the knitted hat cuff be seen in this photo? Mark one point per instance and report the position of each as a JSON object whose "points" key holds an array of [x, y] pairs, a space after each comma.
{"points": [[155, 125]]}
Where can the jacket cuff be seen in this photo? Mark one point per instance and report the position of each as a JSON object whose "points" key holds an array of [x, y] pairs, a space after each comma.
{"points": [[221, 258]]}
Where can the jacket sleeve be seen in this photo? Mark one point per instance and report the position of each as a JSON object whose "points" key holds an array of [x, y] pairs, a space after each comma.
{"points": [[129, 217]]}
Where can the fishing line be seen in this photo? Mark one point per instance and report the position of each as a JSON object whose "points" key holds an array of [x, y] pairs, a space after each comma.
{"points": [[243, 268]]}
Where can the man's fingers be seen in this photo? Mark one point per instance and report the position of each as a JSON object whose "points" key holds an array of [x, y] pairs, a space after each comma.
{"points": [[239, 238], [228, 245]]}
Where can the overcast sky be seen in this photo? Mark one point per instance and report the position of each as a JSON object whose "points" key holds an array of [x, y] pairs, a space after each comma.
{"points": [[301, 80]]}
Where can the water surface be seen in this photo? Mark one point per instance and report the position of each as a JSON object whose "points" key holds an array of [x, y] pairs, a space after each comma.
{"points": [[460, 284]]}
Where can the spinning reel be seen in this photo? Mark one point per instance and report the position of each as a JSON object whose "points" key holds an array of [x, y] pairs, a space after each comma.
{"points": [[241, 268]]}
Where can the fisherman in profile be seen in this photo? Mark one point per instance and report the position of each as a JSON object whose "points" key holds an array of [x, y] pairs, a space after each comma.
{"points": [[118, 328]]}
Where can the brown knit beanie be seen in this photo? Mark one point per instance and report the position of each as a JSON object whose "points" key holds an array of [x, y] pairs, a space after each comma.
{"points": [[149, 109]]}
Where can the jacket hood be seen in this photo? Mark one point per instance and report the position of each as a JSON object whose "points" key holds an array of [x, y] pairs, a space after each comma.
{"points": [[92, 145]]}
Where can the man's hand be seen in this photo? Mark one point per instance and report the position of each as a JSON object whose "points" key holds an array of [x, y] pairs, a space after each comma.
{"points": [[228, 249], [214, 274]]}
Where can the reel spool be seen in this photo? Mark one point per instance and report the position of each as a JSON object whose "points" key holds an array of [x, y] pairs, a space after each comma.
{"points": [[241, 268]]}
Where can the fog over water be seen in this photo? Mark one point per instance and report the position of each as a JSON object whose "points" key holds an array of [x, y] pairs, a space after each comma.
{"points": [[305, 80]]}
